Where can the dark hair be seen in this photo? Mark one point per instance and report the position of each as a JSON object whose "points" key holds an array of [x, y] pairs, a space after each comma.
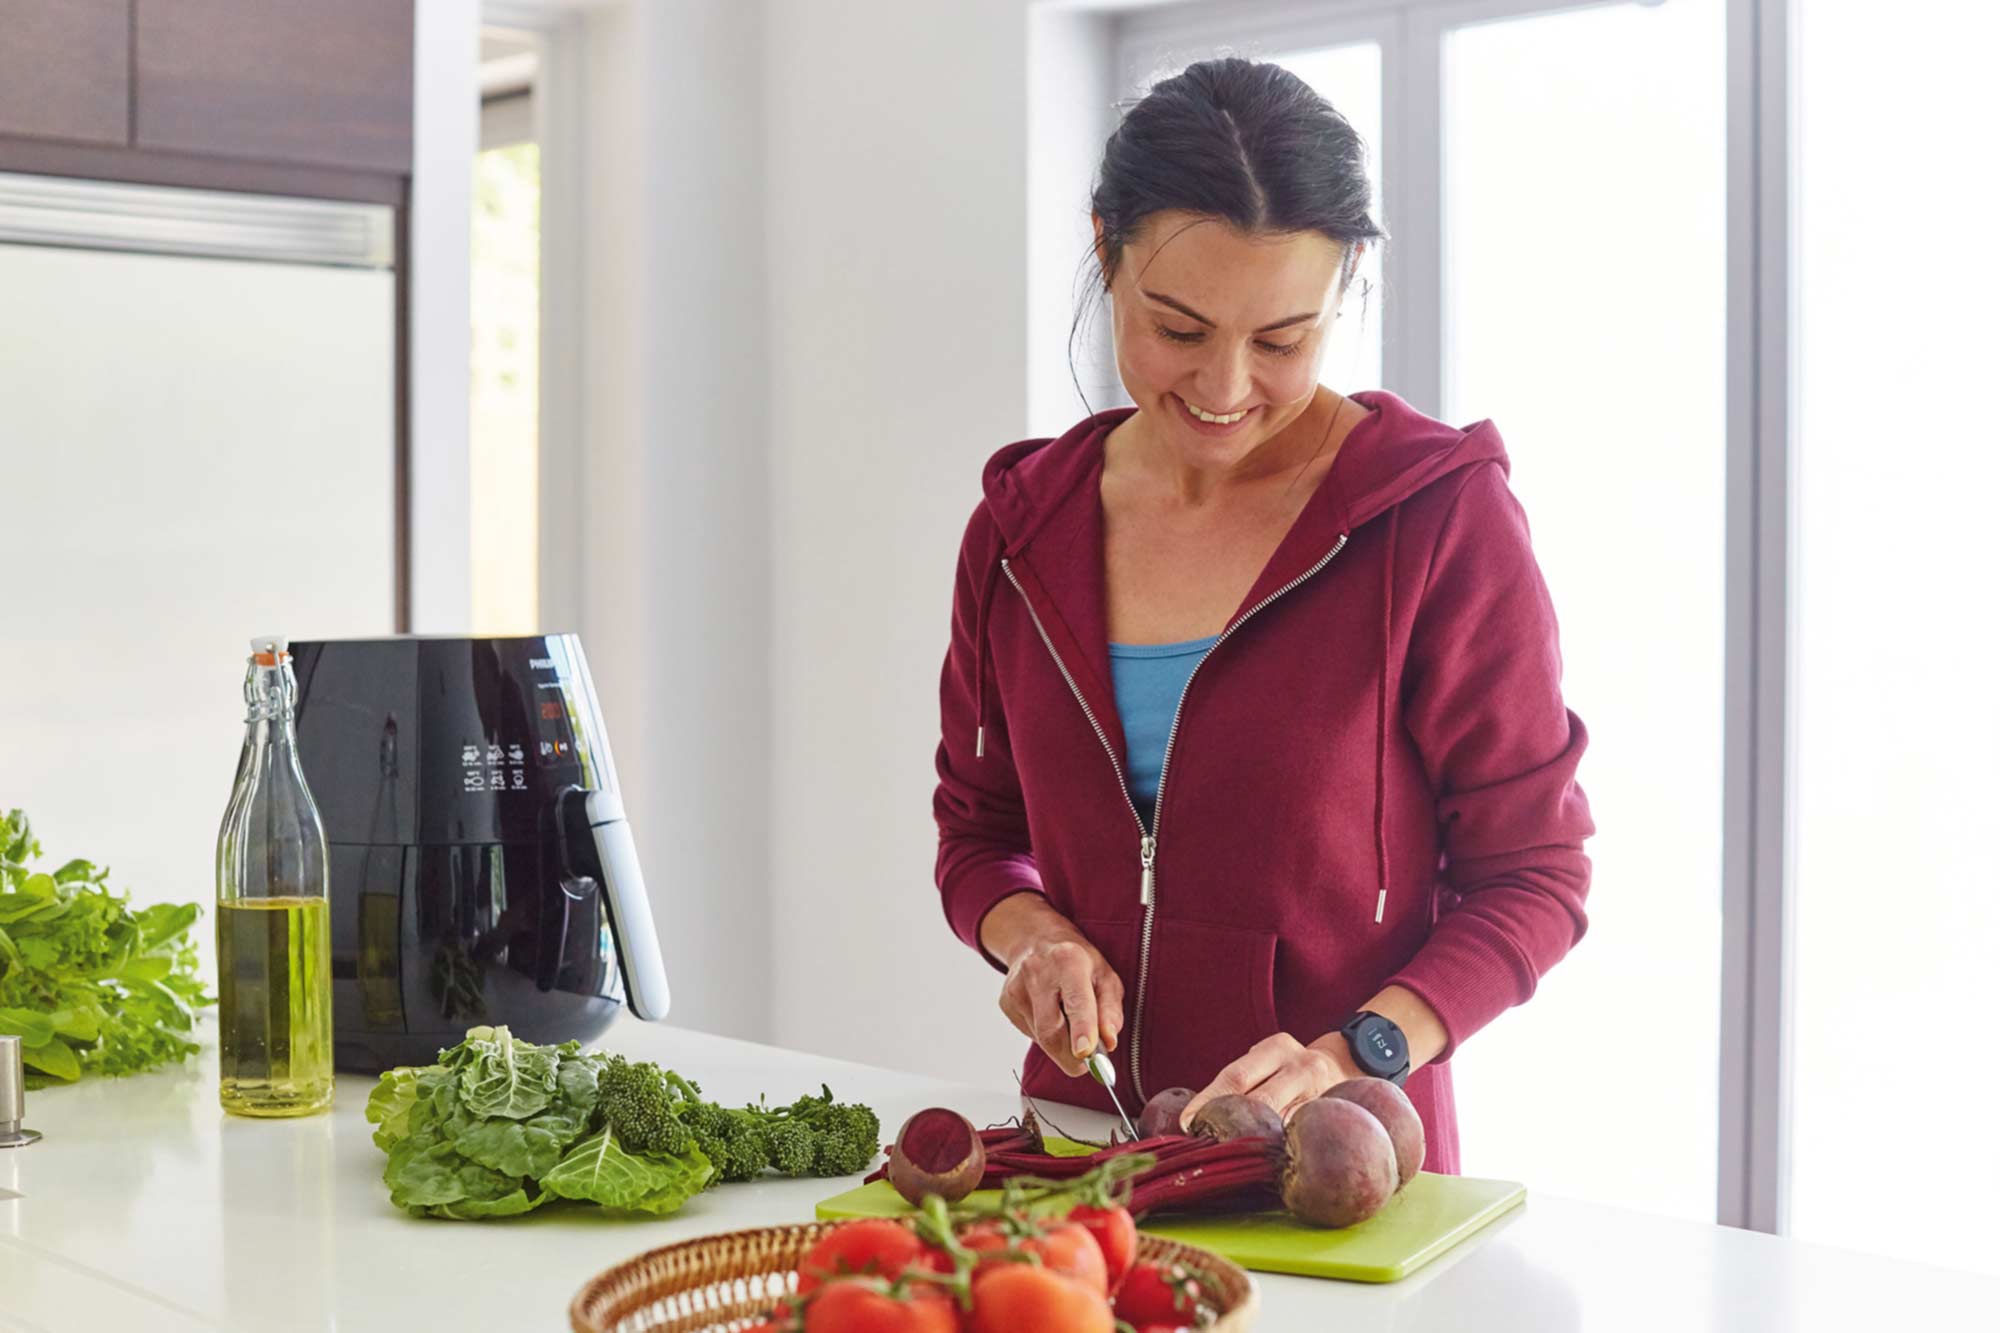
{"points": [[1245, 142]]}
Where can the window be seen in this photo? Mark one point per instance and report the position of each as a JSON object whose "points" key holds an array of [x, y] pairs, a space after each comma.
{"points": [[1897, 901], [1584, 278], [506, 345]]}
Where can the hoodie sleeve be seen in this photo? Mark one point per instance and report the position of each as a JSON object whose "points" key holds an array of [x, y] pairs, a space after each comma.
{"points": [[984, 853], [1483, 700]]}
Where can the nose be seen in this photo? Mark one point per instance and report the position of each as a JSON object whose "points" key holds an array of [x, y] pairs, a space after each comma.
{"points": [[1224, 379]]}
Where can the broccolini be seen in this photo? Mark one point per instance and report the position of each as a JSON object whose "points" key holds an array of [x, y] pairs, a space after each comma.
{"points": [[656, 1110]]}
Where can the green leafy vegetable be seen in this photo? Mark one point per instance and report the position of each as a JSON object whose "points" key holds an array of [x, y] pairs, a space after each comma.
{"points": [[500, 1126], [501, 1075], [599, 1171], [90, 986]]}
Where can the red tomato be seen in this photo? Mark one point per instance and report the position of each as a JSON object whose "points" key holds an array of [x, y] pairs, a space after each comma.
{"points": [[864, 1305], [1069, 1248], [1010, 1298], [876, 1246], [1065, 1247], [1153, 1294], [1116, 1235], [984, 1236]]}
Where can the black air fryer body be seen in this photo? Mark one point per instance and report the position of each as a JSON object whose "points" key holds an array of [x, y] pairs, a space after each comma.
{"points": [[480, 867]]}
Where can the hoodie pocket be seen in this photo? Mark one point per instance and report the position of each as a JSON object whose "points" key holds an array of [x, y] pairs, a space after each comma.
{"points": [[1210, 997]]}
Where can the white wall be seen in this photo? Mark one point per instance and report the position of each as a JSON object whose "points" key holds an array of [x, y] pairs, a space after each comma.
{"points": [[896, 366], [675, 504], [806, 324]]}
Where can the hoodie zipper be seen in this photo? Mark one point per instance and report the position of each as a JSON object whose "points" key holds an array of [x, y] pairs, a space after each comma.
{"points": [[1149, 839]]}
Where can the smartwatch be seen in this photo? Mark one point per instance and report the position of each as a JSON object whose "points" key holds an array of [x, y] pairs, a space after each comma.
{"points": [[1378, 1046]]}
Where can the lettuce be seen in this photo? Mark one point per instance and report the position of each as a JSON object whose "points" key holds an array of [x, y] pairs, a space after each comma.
{"points": [[500, 1126], [89, 986]]}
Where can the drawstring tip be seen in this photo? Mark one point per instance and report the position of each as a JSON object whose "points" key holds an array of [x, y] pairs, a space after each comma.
{"points": [[979, 744], [1381, 898]]}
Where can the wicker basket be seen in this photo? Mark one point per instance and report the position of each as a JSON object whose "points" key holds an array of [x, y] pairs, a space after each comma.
{"points": [[718, 1284]]}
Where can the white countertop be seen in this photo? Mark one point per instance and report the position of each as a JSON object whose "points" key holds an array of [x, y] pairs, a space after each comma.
{"points": [[147, 1208]]}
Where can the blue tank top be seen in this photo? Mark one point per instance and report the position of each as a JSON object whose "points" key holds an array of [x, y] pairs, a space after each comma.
{"points": [[1147, 679]]}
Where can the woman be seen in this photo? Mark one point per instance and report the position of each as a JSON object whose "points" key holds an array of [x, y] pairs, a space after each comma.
{"points": [[1255, 766]]}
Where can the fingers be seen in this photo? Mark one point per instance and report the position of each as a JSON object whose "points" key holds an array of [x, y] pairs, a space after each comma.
{"points": [[1051, 1027], [1110, 1008], [1277, 1071], [1014, 1003], [1065, 999], [1293, 1083], [1079, 1003]]}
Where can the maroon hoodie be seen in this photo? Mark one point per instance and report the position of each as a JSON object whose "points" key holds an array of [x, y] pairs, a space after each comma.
{"points": [[1372, 780]]}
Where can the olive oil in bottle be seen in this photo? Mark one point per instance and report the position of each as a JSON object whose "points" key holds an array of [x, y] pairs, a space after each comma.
{"points": [[277, 1040], [273, 947]]}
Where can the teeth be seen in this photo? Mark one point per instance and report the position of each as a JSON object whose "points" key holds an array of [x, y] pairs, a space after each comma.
{"points": [[1200, 415]]}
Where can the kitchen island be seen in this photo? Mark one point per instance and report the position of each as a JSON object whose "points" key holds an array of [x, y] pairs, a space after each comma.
{"points": [[146, 1208]]}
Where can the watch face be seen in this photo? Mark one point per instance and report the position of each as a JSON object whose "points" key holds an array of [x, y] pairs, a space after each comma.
{"points": [[1378, 1047]]}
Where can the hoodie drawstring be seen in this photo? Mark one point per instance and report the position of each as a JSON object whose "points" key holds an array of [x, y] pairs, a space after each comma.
{"points": [[980, 655], [1382, 720]]}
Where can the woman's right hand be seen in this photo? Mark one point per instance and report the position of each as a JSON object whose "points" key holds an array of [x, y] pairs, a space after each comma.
{"points": [[1059, 990]]}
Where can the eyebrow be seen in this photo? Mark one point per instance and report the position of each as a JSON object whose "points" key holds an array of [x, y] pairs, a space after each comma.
{"points": [[1197, 316]]}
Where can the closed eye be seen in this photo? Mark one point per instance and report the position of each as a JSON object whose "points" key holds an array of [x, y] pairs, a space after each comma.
{"points": [[1191, 336]]}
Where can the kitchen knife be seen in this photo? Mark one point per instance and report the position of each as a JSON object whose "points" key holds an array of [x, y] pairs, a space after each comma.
{"points": [[1101, 1069]]}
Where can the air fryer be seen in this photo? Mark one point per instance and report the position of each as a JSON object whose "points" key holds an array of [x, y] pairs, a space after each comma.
{"points": [[482, 872]]}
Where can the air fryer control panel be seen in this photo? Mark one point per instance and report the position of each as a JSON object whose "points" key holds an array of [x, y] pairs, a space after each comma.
{"points": [[543, 735], [445, 740]]}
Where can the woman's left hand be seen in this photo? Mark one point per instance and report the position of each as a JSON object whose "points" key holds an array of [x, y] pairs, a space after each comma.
{"points": [[1281, 1072]]}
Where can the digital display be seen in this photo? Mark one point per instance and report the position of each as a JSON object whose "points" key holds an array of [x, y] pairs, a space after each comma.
{"points": [[497, 764]]}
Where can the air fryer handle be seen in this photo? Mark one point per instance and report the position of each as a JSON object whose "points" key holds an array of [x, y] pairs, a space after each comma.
{"points": [[617, 869]]}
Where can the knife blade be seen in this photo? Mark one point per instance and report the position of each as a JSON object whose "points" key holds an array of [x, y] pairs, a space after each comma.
{"points": [[1106, 1073]]}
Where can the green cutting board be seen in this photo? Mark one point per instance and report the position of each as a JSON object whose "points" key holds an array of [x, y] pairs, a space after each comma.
{"points": [[1429, 1217]]}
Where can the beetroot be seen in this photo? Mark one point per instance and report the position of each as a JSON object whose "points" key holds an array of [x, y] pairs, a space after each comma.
{"points": [[1390, 1105], [1340, 1166], [1162, 1115], [937, 1152], [1233, 1116]]}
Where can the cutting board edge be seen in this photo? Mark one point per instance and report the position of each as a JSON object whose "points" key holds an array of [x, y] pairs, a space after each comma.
{"points": [[1473, 1225], [1371, 1275]]}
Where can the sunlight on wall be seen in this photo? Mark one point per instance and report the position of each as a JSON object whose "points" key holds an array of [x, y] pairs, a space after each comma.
{"points": [[506, 346]]}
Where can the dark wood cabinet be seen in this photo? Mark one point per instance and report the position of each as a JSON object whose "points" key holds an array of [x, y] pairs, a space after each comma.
{"points": [[298, 81], [63, 69]]}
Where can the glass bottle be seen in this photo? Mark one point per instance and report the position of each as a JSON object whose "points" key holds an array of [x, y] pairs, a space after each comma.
{"points": [[273, 950]]}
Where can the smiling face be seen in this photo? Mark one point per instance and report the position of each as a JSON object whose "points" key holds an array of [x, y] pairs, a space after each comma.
{"points": [[1220, 334]]}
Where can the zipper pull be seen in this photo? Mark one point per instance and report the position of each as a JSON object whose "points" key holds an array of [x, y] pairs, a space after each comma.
{"points": [[1146, 849]]}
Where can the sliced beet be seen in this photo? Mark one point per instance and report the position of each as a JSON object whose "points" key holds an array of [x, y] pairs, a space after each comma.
{"points": [[937, 1152]]}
